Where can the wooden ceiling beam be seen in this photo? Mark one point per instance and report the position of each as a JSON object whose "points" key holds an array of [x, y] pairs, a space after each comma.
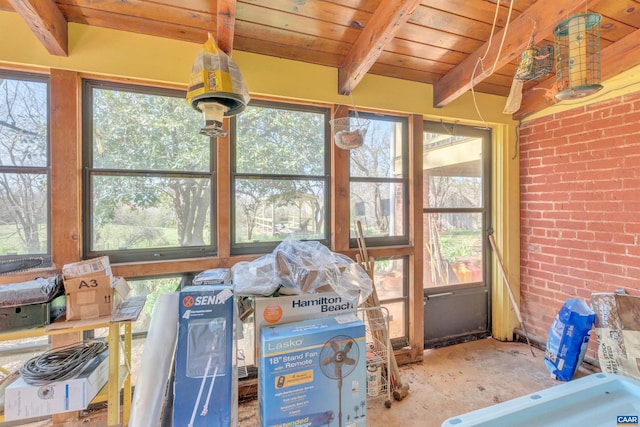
{"points": [[47, 23], [381, 28], [546, 14], [225, 25], [614, 59]]}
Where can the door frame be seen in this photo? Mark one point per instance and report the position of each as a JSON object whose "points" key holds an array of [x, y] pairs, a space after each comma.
{"points": [[442, 302]]}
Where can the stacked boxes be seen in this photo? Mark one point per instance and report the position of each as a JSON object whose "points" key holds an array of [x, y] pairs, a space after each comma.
{"points": [[205, 387], [313, 373], [269, 311]]}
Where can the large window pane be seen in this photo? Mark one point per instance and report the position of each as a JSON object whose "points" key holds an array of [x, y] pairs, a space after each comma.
{"points": [[150, 179], [280, 142], [271, 210], [139, 212], [279, 176], [146, 131], [453, 173], [380, 207], [24, 212], [24, 165], [455, 162], [381, 155], [378, 181], [24, 119]]}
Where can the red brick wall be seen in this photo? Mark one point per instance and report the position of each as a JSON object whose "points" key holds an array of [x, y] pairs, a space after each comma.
{"points": [[579, 207]]}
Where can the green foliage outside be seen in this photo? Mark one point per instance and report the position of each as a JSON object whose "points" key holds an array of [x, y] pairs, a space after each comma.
{"points": [[24, 208], [457, 244], [152, 288], [280, 165], [149, 138]]}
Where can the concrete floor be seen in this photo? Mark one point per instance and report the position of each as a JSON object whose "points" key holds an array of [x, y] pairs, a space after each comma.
{"points": [[455, 380], [450, 381]]}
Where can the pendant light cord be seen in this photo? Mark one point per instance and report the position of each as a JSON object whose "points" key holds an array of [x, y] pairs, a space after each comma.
{"points": [[480, 60]]}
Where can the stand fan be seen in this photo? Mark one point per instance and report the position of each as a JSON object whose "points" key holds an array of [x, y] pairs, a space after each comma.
{"points": [[338, 359]]}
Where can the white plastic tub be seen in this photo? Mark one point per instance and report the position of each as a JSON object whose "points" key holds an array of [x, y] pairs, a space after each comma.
{"points": [[595, 400]]}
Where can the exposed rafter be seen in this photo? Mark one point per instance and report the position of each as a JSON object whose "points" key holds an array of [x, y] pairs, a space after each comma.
{"points": [[546, 14], [47, 23], [416, 41], [614, 59], [380, 29], [225, 25]]}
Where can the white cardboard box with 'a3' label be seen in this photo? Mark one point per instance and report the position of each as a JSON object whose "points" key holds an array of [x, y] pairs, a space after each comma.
{"points": [[313, 373], [27, 401]]}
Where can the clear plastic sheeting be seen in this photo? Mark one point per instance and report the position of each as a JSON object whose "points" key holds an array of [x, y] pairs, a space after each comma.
{"points": [[299, 267], [216, 75], [257, 277]]}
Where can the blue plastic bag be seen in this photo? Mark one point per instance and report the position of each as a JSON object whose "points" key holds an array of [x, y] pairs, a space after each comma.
{"points": [[568, 339]]}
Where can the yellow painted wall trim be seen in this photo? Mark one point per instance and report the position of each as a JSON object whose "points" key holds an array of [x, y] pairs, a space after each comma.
{"points": [[114, 53], [505, 219]]}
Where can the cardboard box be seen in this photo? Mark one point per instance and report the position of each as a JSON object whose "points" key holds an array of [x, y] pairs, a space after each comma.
{"points": [[88, 298], [87, 285], [93, 296], [617, 326], [313, 372], [206, 376], [32, 315], [95, 266], [27, 401], [269, 311]]}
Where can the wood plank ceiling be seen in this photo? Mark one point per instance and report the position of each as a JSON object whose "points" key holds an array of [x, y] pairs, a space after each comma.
{"points": [[451, 44]]}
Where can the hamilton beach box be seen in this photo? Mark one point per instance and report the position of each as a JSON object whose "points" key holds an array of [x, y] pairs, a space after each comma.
{"points": [[206, 379], [313, 373], [269, 311]]}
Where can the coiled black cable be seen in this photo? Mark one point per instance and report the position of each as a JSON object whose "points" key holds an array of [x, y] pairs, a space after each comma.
{"points": [[60, 363]]}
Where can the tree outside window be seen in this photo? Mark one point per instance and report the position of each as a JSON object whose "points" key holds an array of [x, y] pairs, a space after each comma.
{"points": [[379, 180], [150, 175], [279, 175], [24, 165]]}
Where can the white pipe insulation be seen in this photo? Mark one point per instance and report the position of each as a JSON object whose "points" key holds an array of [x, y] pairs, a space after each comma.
{"points": [[156, 363]]}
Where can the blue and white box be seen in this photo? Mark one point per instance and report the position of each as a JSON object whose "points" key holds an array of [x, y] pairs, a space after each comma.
{"points": [[206, 379], [22, 400], [313, 373]]}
